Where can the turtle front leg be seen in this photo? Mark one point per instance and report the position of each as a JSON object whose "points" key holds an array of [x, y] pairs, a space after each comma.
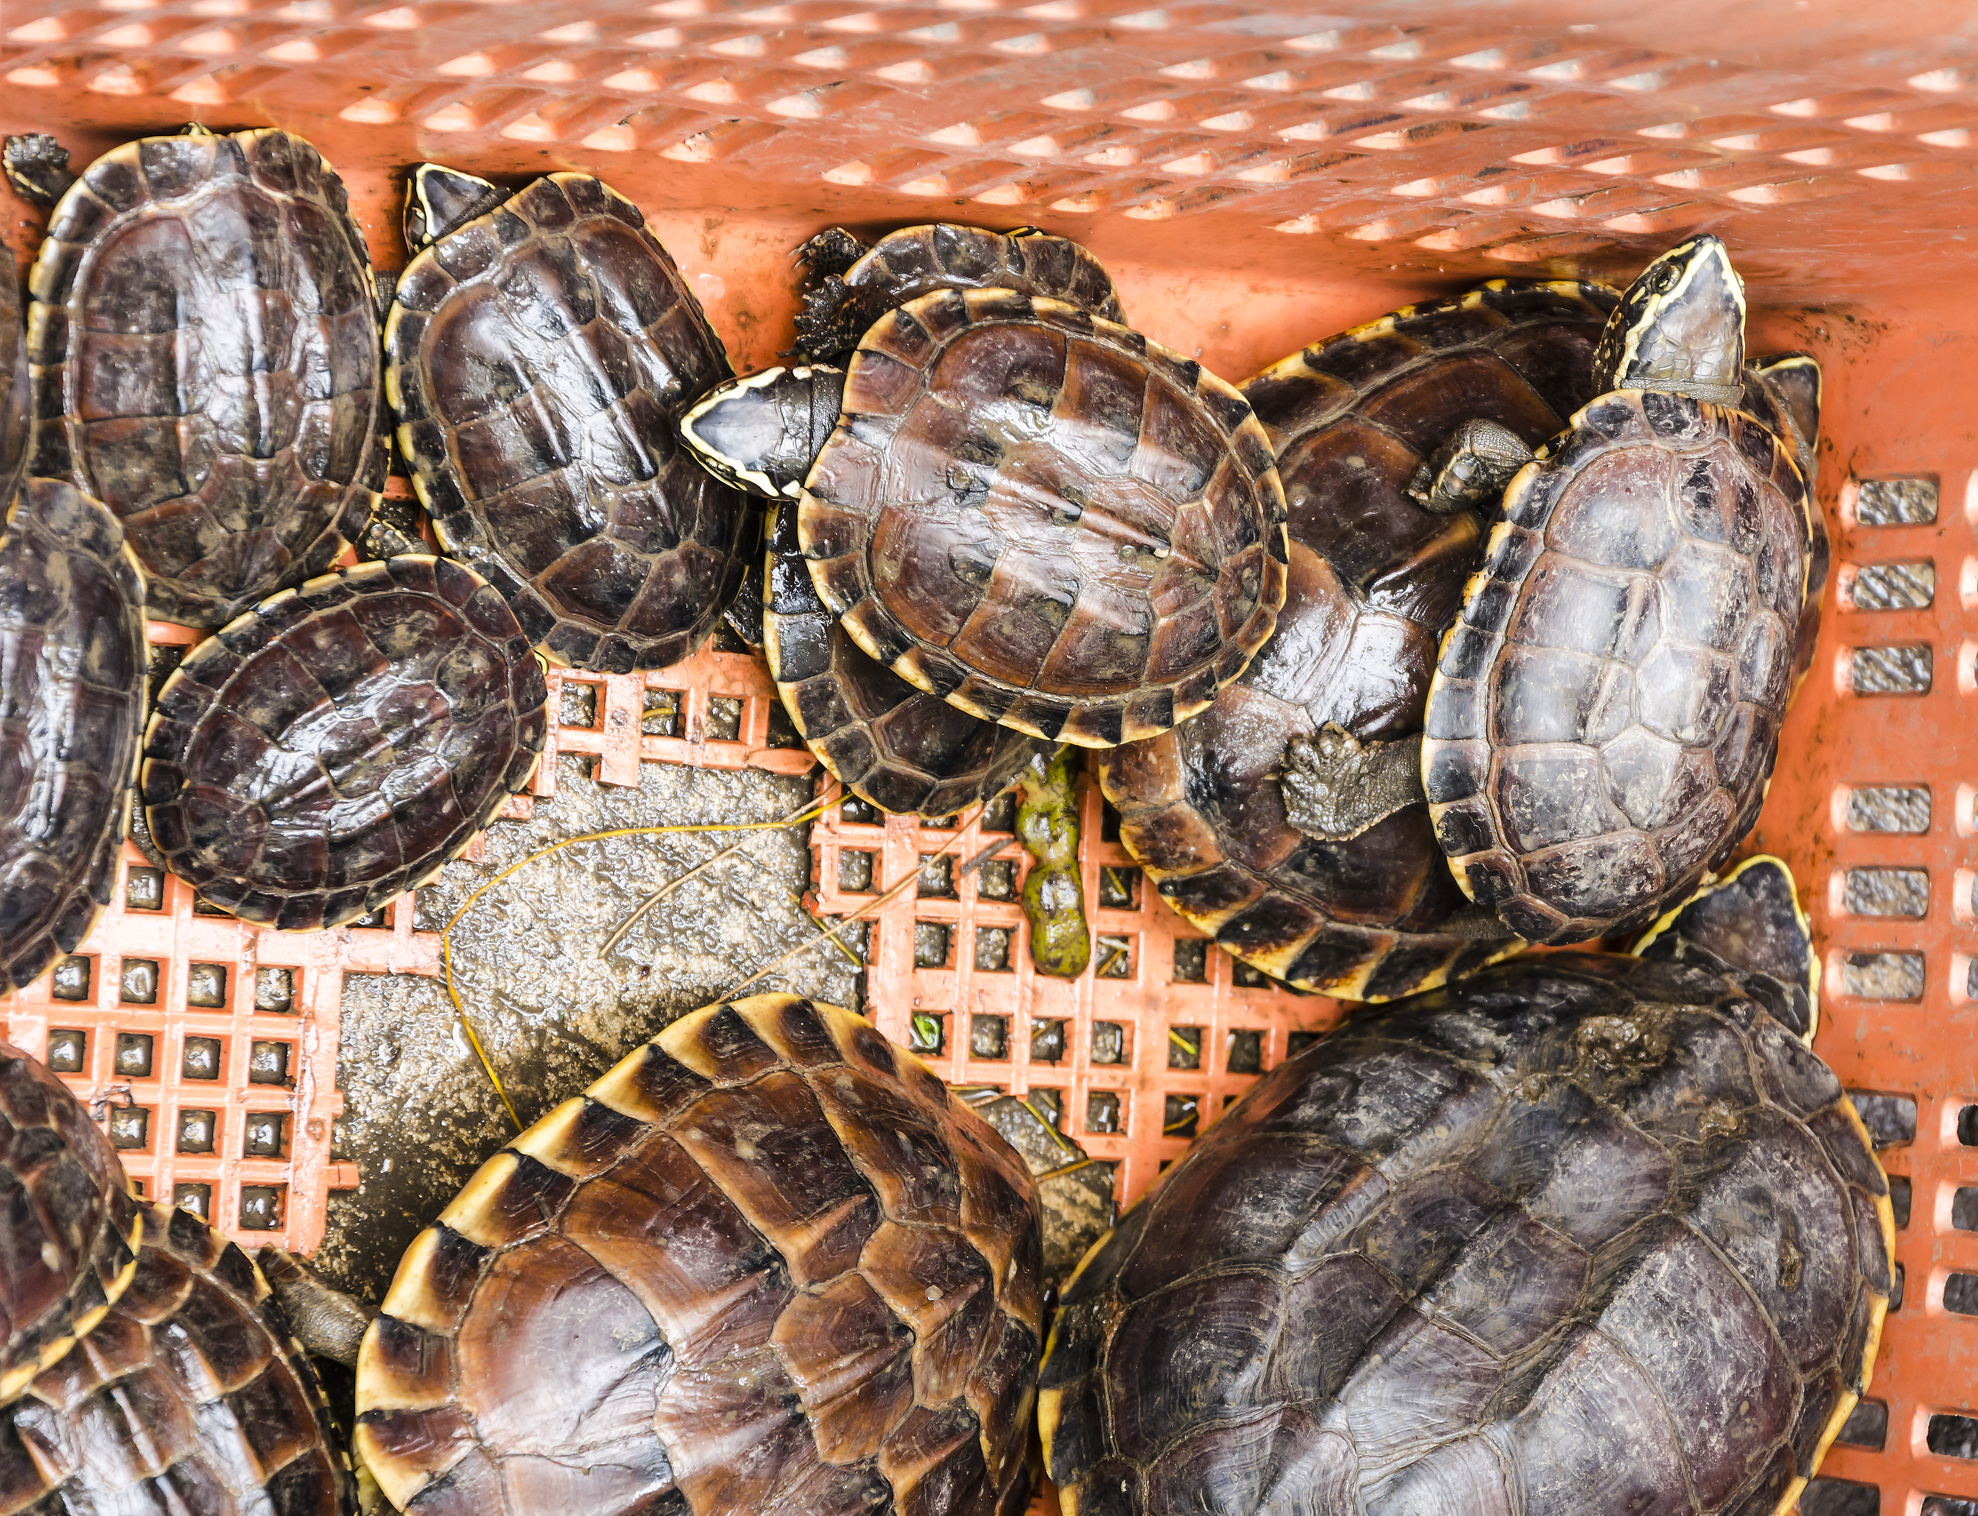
{"points": [[37, 168], [1335, 787], [833, 317], [1470, 469], [326, 1321]]}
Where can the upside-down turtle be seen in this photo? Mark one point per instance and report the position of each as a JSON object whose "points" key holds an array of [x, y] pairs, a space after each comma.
{"points": [[538, 349], [203, 341], [766, 1263], [1585, 1233], [343, 742], [1375, 576], [1016, 503], [72, 681], [1605, 712]]}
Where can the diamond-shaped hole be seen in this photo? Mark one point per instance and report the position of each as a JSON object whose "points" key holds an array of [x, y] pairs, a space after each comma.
{"points": [[197, 1131], [201, 1058], [206, 985], [133, 1055], [989, 1036], [70, 979], [68, 1050]]}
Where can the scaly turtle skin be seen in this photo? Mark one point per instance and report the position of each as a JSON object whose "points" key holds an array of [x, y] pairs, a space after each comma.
{"points": [[1582, 1235], [204, 348], [1605, 713], [537, 349], [68, 1225], [901, 748], [766, 1263], [1045, 518], [1375, 577], [343, 742], [189, 1395], [72, 680], [848, 285]]}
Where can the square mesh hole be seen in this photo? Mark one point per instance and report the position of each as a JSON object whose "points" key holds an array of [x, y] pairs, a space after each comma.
{"points": [[856, 812], [133, 1055], [940, 823], [998, 879], [274, 991], [130, 1127], [71, 978], [854, 872], [1839, 1497], [992, 949], [724, 718], [1102, 1112], [1297, 1042], [206, 985], [1244, 977], [989, 1036], [927, 1033], [1184, 1047], [200, 1058], [374, 920], [68, 1050], [930, 945], [1047, 1041], [578, 706], [1119, 887], [782, 732], [144, 890], [936, 876], [1888, 892], [262, 1207], [1883, 976], [267, 1063], [1891, 670], [999, 815], [1890, 1119], [1246, 1052], [1896, 502], [198, 1130], [137, 982], [1867, 1425], [1179, 1114], [1108, 1042], [1191, 960], [1049, 1104], [1114, 955], [1108, 822], [1894, 586], [265, 1134], [196, 1198], [1889, 808], [659, 714]]}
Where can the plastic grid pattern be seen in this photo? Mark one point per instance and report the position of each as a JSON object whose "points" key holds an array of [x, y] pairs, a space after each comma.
{"points": [[1522, 142]]}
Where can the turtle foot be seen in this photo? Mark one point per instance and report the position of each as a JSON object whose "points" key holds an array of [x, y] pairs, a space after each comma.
{"points": [[37, 168], [1470, 469], [1336, 787]]}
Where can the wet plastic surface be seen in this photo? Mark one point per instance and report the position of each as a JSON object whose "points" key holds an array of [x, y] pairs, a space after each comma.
{"points": [[1254, 180]]}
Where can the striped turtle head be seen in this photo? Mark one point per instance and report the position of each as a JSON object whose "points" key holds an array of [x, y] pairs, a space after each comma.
{"points": [[439, 199], [1679, 328]]}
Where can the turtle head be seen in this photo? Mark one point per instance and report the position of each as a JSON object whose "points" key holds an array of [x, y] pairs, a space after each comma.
{"points": [[1792, 382], [1748, 922], [439, 199], [1679, 327], [762, 432]]}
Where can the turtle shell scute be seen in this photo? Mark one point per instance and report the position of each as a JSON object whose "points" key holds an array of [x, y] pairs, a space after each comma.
{"points": [[342, 743], [204, 358], [766, 1261]]}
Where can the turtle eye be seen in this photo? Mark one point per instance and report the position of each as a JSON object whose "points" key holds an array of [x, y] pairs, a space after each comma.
{"points": [[1664, 280]]}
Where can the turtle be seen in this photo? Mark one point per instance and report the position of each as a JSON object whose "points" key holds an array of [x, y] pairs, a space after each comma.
{"points": [[188, 1395], [1784, 392], [766, 1263], [69, 1228], [1021, 506], [344, 741], [1212, 810], [203, 343], [1604, 715], [537, 348], [1584, 1232], [73, 662], [901, 748], [1074, 1190]]}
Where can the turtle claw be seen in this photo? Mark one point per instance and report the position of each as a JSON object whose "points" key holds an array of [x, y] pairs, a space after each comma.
{"points": [[1470, 469], [1336, 787], [37, 168]]}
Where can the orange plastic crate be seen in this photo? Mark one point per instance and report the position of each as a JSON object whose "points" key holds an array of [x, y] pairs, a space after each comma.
{"points": [[1255, 178]]}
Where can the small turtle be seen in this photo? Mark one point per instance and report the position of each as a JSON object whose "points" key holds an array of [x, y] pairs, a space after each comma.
{"points": [[72, 684], [1784, 393], [1216, 811], [849, 284], [189, 1395], [1605, 713], [766, 1263], [901, 748], [1020, 506], [343, 742], [537, 348], [1585, 1233], [204, 347], [69, 1229]]}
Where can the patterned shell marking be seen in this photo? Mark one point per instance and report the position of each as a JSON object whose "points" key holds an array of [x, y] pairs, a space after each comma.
{"points": [[343, 742], [189, 1396], [72, 677], [1374, 580], [901, 748], [204, 349], [68, 1225], [1606, 710], [766, 1263], [1583, 1235], [536, 358], [1045, 518]]}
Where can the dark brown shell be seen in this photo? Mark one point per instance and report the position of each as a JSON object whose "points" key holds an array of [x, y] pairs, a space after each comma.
{"points": [[1583, 1235], [204, 343], [766, 1263], [1045, 518], [339, 745], [1374, 580], [67, 1222], [72, 680], [537, 357], [1784, 393], [1605, 713], [188, 1396], [15, 388], [901, 748]]}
